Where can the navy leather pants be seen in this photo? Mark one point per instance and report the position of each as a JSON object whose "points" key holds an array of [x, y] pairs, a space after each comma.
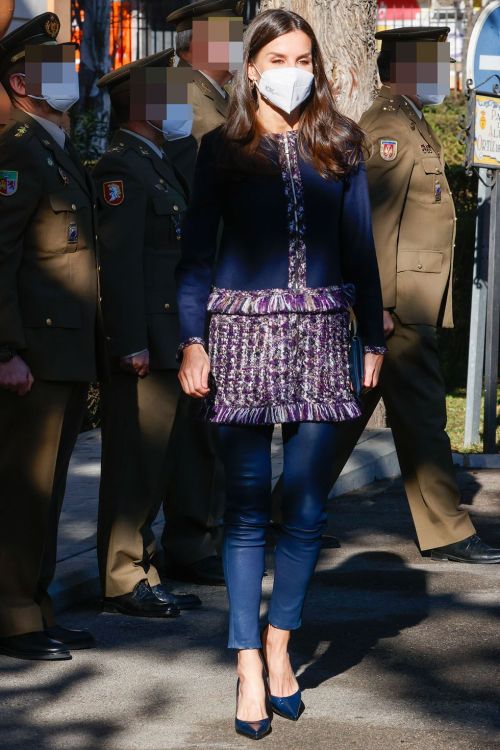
{"points": [[245, 450]]}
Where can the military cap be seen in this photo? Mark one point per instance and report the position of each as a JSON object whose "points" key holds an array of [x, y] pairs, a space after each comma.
{"points": [[118, 81], [391, 37], [42, 29], [183, 18]]}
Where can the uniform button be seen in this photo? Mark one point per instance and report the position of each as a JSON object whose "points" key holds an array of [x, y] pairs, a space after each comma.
{"points": [[108, 338], [100, 299], [73, 207], [98, 268], [167, 306], [176, 208], [420, 266], [49, 321]]}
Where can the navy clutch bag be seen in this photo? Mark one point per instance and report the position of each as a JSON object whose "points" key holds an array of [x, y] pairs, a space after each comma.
{"points": [[356, 360]]}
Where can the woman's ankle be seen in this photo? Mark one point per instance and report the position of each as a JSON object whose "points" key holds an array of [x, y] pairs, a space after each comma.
{"points": [[275, 639]]}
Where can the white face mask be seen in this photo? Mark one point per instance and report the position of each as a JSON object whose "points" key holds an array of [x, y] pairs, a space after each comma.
{"points": [[59, 96], [286, 88], [431, 100], [179, 122], [174, 130]]}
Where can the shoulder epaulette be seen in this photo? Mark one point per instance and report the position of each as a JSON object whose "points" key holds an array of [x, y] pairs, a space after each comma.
{"points": [[17, 131], [117, 148]]}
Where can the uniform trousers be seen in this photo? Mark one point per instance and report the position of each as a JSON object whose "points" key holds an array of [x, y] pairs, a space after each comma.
{"points": [[195, 503], [413, 389], [308, 454], [136, 474], [39, 432]]}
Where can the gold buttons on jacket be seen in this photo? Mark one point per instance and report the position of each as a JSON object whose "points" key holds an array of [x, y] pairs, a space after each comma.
{"points": [[73, 206], [419, 266], [166, 306], [176, 208], [49, 321]]}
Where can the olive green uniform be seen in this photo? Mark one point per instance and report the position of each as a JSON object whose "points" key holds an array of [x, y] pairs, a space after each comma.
{"points": [[209, 106], [49, 315], [414, 230], [142, 199]]}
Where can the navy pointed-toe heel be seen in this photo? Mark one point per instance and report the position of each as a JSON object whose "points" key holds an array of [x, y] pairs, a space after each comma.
{"points": [[290, 707], [254, 730]]}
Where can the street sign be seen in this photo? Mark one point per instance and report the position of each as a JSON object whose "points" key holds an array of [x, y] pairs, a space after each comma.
{"points": [[483, 152], [486, 138], [483, 59]]}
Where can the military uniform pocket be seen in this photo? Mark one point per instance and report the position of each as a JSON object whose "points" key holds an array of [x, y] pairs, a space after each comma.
{"points": [[420, 261], [64, 237]]}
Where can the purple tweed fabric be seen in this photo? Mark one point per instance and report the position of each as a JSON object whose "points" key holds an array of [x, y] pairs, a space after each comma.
{"points": [[281, 355]]}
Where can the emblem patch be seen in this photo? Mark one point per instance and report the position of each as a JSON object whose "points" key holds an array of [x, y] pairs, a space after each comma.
{"points": [[114, 193], [52, 26], [388, 149], [8, 182]]}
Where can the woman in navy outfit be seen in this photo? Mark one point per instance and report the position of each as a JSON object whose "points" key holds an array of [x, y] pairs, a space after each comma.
{"points": [[285, 175]]}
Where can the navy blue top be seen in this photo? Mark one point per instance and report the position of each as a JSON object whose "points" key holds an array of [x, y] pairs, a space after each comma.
{"points": [[253, 251]]}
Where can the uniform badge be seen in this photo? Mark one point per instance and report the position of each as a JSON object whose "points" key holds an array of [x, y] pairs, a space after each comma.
{"points": [[8, 182], [50, 161], [52, 26], [388, 149], [73, 233], [437, 192], [114, 193]]}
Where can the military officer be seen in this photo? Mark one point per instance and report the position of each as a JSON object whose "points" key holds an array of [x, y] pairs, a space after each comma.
{"points": [[142, 199], [48, 323], [414, 229], [193, 532], [209, 96]]}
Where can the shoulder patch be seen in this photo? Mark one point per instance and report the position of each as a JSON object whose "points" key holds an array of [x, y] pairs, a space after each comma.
{"points": [[113, 191], [8, 182], [388, 149]]}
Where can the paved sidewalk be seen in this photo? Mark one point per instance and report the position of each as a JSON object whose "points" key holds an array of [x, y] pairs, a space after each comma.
{"points": [[76, 575], [395, 652]]}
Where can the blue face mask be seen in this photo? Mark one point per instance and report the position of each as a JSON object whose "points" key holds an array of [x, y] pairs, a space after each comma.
{"points": [[178, 123], [431, 100]]}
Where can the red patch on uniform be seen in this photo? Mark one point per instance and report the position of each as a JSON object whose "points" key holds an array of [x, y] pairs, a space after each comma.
{"points": [[114, 194]]}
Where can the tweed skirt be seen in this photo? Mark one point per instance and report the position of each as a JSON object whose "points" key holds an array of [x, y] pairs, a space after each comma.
{"points": [[278, 367]]}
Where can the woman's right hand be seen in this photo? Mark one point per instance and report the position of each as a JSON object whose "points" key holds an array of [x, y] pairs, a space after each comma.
{"points": [[193, 374]]}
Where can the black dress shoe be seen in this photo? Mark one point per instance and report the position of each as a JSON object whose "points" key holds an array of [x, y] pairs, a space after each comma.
{"points": [[73, 639], [141, 602], [37, 646], [470, 550], [181, 601], [207, 572]]}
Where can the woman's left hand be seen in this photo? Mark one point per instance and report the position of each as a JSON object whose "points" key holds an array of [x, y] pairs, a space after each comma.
{"points": [[373, 363]]}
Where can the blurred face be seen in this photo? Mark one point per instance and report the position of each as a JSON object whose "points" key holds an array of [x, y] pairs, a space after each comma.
{"points": [[218, 43], [158, 94], [421, 69], [50, 69], [292, 50]]}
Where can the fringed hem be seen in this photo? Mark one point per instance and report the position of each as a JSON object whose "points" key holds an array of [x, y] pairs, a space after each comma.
{"points": [[265, 301], [304, 412]]}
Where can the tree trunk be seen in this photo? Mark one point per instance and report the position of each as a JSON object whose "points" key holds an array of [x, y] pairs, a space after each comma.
{"points": [[346, 32]]}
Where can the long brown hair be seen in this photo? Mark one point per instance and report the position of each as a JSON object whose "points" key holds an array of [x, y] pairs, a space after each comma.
{"points": [[330, 141]]}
